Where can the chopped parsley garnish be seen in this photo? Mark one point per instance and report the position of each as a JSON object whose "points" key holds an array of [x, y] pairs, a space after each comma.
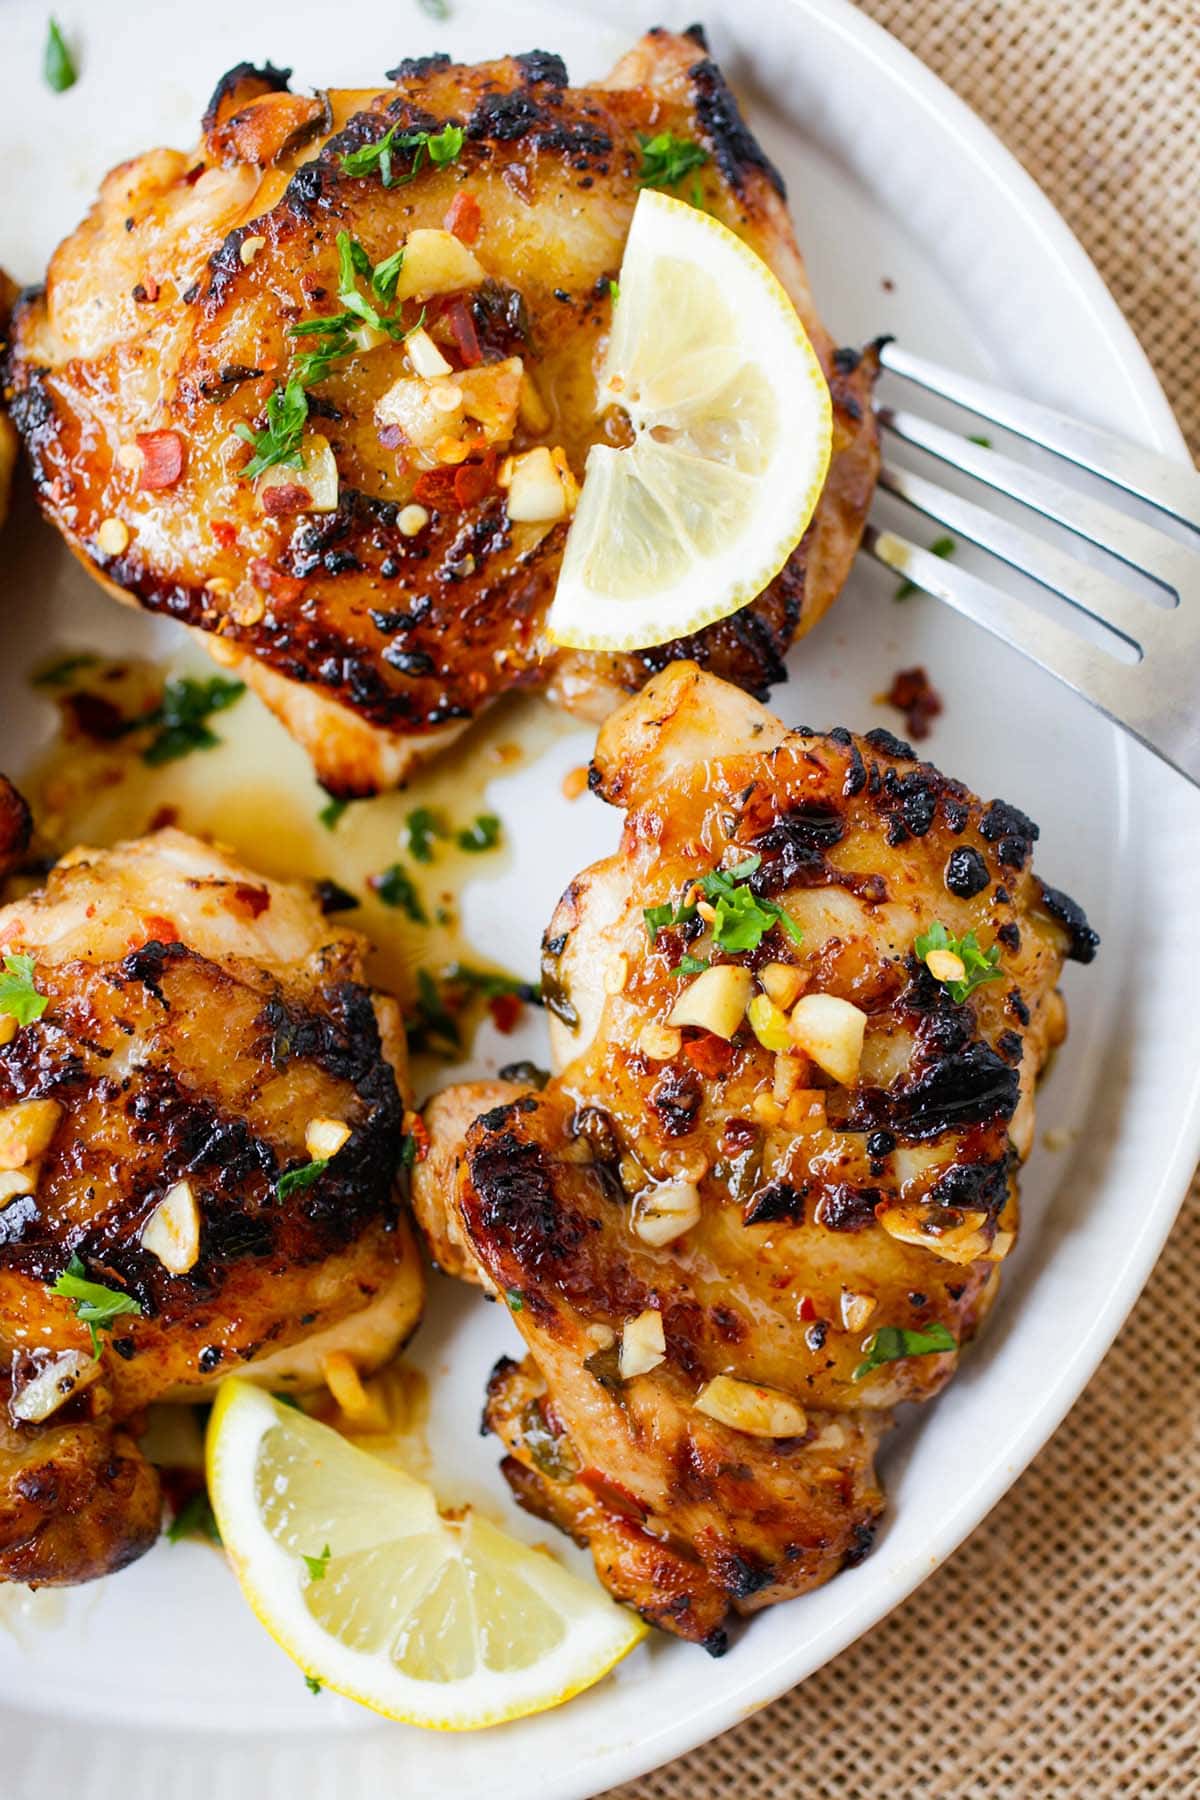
{"points": [[436, 9], [61, 672], [614, 290], [514, 1298], [19, 997], [741, 919], [58, 65], [945, 546], [297, 1179], [395, 887], [985, 443], [317, 1565], [408, 1150], [491, 983], [978, 965], [331, 812], [666, 159], [279, 440], [96, 1306], [432, 1027], [313, 1685], [195, 1518], [423, 825], [689, 965], [892, 1343], [181, 717], [440, 147], [482, 834]]}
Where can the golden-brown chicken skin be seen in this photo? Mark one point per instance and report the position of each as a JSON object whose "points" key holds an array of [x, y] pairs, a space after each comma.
{"points": [[196, 1021], [786, 1217], [168, 321]]}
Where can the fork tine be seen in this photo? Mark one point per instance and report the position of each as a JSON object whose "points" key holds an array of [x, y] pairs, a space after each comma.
{"points": [[1116, 606], [1084, 667], [1172, 487], [1131, 541]]}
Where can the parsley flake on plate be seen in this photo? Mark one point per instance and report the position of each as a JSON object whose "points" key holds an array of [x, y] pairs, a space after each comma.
{"points": [[195, 1518], [19, 997], [395, 887], [331, 812], [58, 65], [893, 1343], [423, 826], [977, 965], [181, 717], [944, 546], [96, 1306], [482, 834]]}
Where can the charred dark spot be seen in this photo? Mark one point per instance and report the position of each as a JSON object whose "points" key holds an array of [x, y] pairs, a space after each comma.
{"points": [[125, 1348], [735, 149], [501, 320], [880, 1143], [542, 65], [846, 360], [505, 117], [846, 1208], [816, 1334], [971, 1187], [241, 84], [210, 1358], [333, 898], [408, 662], [1068, 912], [675, 1100], [1016, 1006], [862, 1542], [917, 796], [147, 963], [1010, 1046], [729, 1325], [524, 1071], [776, 1200], [416, 68], [741, 1576], [306, 188], [517, 1207], [1009, 935], [17, 1217], [717, 1641], [888, 744], [1012, 831], [966, 872], [793, 849]]}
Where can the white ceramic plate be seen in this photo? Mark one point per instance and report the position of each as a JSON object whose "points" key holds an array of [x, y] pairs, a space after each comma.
{"points": [[914, 220]]}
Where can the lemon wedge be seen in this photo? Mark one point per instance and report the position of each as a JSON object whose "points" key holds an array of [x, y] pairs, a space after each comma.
{"points": [[442, 1622], [732, 429]]}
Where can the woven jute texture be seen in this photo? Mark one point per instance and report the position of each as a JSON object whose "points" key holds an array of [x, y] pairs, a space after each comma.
{"points": [[1058, 1653]]}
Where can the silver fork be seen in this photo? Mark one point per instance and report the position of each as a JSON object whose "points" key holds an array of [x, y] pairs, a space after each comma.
{"points": [[1156, 697]]}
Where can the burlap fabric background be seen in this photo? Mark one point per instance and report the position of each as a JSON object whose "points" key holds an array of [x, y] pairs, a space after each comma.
{"points": [[1056, 1654]]}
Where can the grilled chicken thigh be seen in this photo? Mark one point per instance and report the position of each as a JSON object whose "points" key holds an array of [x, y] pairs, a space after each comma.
{"points": [[201, 1112], [379, 596], [768, 1192]]}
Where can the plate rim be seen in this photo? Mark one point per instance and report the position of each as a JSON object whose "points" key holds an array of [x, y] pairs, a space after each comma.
{"points": [[628, 1758]]}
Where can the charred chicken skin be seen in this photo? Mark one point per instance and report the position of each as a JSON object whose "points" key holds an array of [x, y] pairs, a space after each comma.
{"points": [[201, 1113], [374, 588], [798, 1021]]}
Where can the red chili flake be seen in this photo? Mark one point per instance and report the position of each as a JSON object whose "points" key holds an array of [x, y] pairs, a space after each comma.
{"points": [[463, 217], [709, 1054], [915, 696], [252, 900], [194, 173], [93, 716], [264, 388], [505, 1010], [225, 533], [435, 487], [462, 329], [165, 815], [807, 1309], [287, 497], [274, 582], [472, 480], [163, 457], [736, 1136], [160, 929]]}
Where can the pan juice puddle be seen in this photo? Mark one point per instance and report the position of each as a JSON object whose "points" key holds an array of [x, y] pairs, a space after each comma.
{"points": [[254, 791]]}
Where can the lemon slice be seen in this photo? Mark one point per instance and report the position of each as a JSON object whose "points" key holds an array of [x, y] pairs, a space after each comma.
{"points": [[447, 1623], [732, 428]]}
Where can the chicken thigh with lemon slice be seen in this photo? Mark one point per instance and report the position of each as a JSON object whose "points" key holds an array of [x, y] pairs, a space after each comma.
{"points": [[201, 1128], [798, 1020], [326, 387]]}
